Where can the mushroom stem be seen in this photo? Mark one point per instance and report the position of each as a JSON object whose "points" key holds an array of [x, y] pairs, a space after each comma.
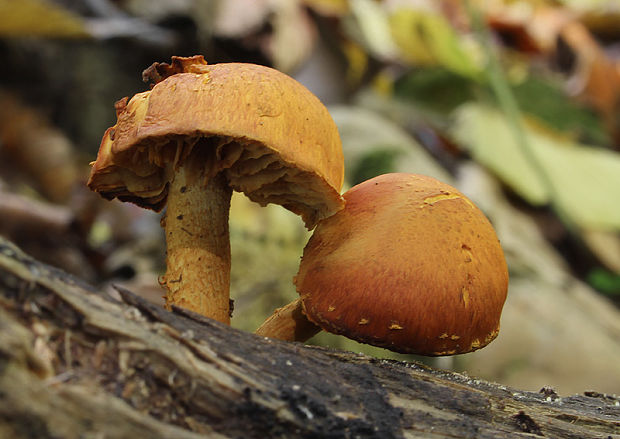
{"points": [[288, 323], [198, 259]]}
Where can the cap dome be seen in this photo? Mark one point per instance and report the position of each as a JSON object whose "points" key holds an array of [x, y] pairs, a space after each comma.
{"points": [[409, 264], [273, 138]]}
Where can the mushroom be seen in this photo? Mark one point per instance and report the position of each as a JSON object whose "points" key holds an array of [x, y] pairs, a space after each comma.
{"points": [[202, 131], [410, 264]]}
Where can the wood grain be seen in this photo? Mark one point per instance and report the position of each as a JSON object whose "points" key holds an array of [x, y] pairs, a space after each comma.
{"points": [[75, 362]]}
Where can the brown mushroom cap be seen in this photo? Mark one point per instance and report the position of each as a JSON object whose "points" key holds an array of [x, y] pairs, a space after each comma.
{"points": [[274, 139], [409, 264]]}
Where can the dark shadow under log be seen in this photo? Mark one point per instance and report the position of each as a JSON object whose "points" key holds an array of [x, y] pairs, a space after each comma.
{"points": [[77, 363]]}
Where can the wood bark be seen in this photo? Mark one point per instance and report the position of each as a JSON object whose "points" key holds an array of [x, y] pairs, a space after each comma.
{"points": [[78, 363]]}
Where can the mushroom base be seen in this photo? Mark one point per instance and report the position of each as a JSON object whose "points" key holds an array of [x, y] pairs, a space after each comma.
{"points": [[198, 257], [289, 323]]}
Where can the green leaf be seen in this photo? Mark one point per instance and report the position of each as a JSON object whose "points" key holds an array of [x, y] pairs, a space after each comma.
{"points": [[604, 281], [435, 88], [441, 90], [586, 179], [373, 163], [546, 101]]}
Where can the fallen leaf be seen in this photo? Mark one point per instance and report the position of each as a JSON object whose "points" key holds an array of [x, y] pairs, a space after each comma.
{"points": [[371, 27], [374, 144], [586, 179], [329, 8], [427, 38], [290, 23], [238, 18], [39, 18], [595, 77]]}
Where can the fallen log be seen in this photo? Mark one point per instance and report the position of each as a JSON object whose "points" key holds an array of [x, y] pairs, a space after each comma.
{"points": [[79, 363]]}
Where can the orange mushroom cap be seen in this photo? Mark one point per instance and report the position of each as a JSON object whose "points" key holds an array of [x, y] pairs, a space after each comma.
{"points": [[410, 264], [272, 137]]}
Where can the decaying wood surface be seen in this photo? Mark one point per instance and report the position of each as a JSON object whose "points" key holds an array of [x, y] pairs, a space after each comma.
{"points": [[77, 363]]}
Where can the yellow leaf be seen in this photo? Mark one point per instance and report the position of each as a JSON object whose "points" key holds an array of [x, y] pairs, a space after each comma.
{"points": [[357, 61], [39, 18], [427, 38], [332, 8], [413, 49]]}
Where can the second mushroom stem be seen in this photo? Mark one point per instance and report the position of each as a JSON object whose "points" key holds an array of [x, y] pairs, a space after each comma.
{"points": [[289, 323], [198, 260]]}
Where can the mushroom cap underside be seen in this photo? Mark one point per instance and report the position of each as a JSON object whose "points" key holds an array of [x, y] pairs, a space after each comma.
{"points": [[409, 264], [274, 139]]}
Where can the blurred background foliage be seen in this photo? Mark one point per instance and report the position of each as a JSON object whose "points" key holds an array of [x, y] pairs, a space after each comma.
{"points": [[514, 102]]}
